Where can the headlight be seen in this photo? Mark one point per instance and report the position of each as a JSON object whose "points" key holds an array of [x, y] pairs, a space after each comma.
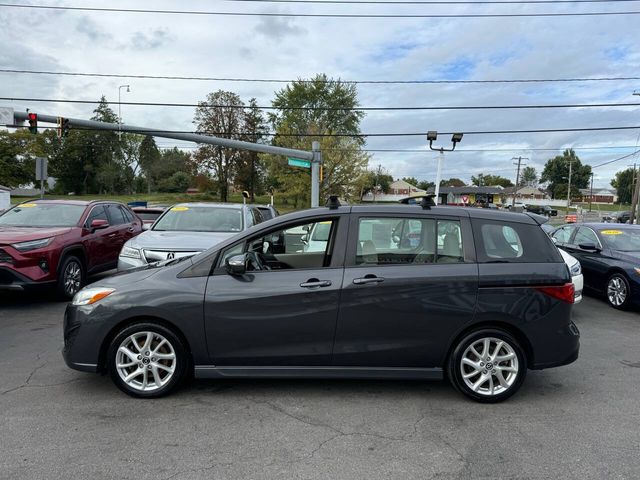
{"points": [[576, 269], [32, 244], [130, 252], [89, 296]]}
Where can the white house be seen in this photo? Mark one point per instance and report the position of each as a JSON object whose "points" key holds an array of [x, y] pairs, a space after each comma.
{"points": [[5, 198], [397, 191]]}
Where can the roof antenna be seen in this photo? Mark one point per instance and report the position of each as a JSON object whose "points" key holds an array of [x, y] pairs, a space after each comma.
{"points": [[333, 203]]}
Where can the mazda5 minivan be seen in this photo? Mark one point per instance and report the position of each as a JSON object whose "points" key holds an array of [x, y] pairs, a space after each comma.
{"points": [[391, 292]]}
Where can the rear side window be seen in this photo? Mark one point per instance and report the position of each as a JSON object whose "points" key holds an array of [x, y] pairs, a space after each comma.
{"points": [[512, 242], [115, 214], [397, 241]]}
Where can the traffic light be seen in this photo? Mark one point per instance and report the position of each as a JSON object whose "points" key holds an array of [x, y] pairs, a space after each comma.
{"points": [[66, 125], [33, 122]]}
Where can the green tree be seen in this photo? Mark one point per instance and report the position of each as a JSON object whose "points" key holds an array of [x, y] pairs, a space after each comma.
{"points": [[150, 162], [314, 110], [623, 182], [221, 115], [556, 173], [250, 171], [176, 183], [425, 185], [17, 163], [452, 182], [411, 180], [483, 180], [528, 177]]}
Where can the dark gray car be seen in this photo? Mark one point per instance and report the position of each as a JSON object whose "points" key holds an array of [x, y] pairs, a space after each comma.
{"points": [[403, 291]]}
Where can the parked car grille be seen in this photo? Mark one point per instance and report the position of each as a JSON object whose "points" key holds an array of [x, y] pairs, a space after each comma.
{"points": [[162, 255], [5, 257]]}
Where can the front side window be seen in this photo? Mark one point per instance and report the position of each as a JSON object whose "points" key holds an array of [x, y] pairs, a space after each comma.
{"points": [[43, 215], [394, 241], [585, 235], [200, 219], [299, 246], [97, 213]]}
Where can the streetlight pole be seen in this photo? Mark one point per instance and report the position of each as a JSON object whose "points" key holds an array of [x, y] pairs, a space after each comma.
{"points": [[569, 188], [591, 193], [432, 136], [119, 104], [515, 192]]}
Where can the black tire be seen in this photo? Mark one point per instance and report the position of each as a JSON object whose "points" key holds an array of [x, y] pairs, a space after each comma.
{"points": [[455, 366], [71, 277], [177, 347], [619, 283]]}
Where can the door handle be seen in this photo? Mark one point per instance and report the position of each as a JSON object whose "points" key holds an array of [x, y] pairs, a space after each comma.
{"points": [[111, 235], [368, 279], [314, 283]]}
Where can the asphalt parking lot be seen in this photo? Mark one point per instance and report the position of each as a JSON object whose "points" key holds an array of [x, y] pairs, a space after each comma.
{"points": [[579, 421]]}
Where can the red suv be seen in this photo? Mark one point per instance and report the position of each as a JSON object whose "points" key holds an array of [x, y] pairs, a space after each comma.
{"points": [[61, 242]]}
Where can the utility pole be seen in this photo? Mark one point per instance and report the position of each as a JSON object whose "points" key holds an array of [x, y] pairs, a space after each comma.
{"points": [[569, 188], [515, 192], [591, 192], [634, 200]]}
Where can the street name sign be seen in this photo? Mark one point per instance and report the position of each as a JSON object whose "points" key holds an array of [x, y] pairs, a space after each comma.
{"points": [[297, 162]]}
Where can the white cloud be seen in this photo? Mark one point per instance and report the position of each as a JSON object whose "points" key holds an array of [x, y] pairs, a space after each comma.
{"points": [[351, 49]]}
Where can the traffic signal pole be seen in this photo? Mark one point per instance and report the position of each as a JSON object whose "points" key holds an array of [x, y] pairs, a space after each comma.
{"points": [[315, 156]]}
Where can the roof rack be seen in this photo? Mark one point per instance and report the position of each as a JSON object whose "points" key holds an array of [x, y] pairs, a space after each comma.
{"points": [[425, 201], [333, 203]]}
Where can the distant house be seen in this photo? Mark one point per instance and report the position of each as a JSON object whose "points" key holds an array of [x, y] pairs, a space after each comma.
{"points": [[5, 198], [192, 191], [600, 195], [526, 193], [397, 191], [469, 195]]}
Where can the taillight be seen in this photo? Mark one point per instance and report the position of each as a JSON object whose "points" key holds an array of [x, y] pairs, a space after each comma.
{"points": [[565, 292]]}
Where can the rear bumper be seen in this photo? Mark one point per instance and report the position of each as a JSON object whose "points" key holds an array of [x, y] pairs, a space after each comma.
{"points": [[566, 343]]}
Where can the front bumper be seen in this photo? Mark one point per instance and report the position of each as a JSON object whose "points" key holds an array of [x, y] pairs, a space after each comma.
{"points": [[13, 280], [81, 351]]}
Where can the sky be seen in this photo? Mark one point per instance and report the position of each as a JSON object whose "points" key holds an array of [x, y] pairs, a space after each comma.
{"points": [[351, 49]]}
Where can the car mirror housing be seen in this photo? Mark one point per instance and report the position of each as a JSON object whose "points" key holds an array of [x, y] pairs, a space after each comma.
{"points": [[98, 224], [236, 265], [589, 246]]}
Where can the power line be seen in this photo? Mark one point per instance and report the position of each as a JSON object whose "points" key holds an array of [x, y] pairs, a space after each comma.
{"points": [[242, 107], [431, 2], [316, 15], [416, 150], [615, 160], [362, 135], [357, 82]]}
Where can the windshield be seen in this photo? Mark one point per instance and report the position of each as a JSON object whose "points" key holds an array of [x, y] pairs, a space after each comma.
{"points": [[624, 240], [43, 215], [200, 219]]}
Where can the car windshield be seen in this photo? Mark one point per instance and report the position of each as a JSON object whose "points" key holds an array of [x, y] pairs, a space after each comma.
{"points": [[200, 219], [624, 240], [43, 215]]}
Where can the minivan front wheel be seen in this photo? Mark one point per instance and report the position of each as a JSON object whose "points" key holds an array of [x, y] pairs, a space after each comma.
{"points": [[487, 365], [147, 360]]}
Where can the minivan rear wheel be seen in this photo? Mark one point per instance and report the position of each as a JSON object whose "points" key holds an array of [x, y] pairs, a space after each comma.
{"points": [[487, 365]]}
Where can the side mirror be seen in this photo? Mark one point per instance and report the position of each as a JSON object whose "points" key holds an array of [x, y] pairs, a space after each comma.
{"points": [[98, 224], [236, 265], [591, 247]]}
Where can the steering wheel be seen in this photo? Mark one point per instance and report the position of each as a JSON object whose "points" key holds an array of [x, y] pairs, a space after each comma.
{"points": [[254, 262]]}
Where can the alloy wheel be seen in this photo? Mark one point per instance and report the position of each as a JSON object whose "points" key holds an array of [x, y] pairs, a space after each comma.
{"points": [[145, 361], [617, 291], [489, 366], [72, 278]]}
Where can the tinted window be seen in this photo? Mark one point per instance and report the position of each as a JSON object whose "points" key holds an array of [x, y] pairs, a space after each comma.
{"points": [[116, 217], [97, 213], [266, 213], [43, 215], [393, 241], [585, 235], [512, 242], [128, 216], [257, 216]]}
